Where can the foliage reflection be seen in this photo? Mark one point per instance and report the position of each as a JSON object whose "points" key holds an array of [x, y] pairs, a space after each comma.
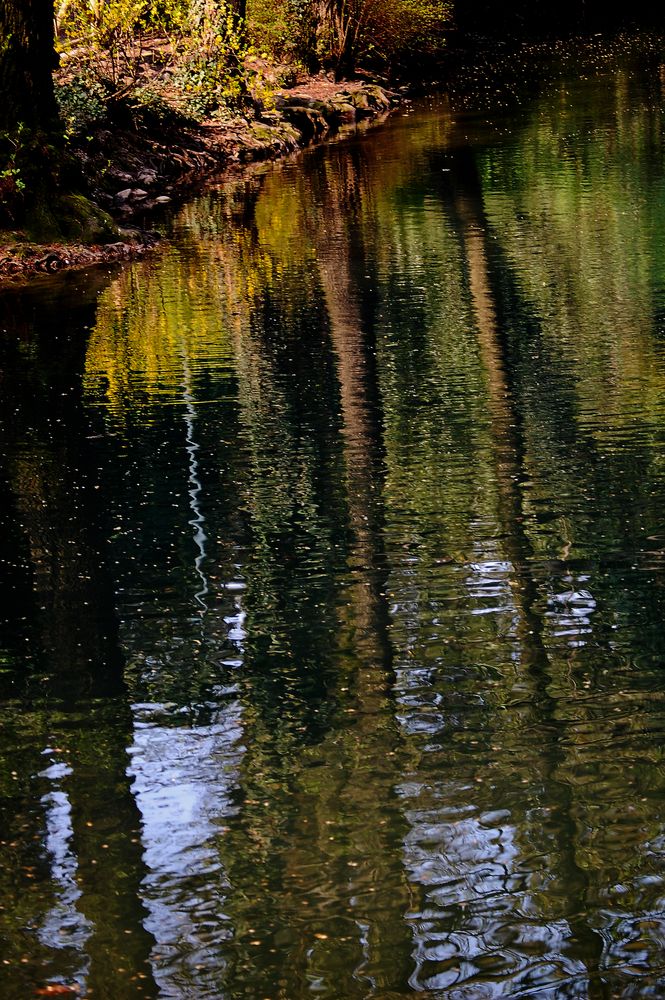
{"points": [[377, 446]]}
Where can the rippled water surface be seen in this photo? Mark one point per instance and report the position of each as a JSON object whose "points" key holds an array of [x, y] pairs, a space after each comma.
{"points": [[333, 574]]}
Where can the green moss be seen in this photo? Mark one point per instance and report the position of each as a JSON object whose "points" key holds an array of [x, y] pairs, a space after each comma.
{"points": [[83, 221], [72, 218]]}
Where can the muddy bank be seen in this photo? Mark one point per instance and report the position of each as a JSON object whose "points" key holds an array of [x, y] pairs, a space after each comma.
{"points": [[140, 160], [23, 259]]}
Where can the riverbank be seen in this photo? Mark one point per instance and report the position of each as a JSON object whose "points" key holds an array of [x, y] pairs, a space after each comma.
{"points": [[140, 156], [143, 158]]}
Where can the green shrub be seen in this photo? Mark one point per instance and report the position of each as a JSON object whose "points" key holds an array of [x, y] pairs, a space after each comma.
{"points": [[387, 32], [210, 60], [106, 41], [287, 30], [210, 70], [106, 31], [82, 102]]}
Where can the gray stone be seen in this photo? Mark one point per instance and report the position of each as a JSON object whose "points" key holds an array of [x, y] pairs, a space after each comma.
{"points": [[120, 175], [294, 101], [344, 112], [309, 121], [147, 177], [377, 96]]}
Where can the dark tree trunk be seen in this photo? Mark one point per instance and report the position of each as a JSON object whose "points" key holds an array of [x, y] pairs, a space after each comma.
{"points": [[27, 61], [30, 132]]}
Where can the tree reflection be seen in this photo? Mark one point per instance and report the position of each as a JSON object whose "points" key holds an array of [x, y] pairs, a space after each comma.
{"points": [[80, 919], [380, 466], [511, 473]]}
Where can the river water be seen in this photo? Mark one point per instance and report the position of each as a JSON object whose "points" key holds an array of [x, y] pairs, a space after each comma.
{"points": [[333, 575]]}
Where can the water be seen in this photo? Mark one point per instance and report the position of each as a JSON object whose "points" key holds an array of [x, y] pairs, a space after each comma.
{"points": [[333, 573]]}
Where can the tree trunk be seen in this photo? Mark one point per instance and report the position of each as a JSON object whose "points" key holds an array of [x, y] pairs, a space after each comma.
{"points": [[30, 132], [27, 61]]}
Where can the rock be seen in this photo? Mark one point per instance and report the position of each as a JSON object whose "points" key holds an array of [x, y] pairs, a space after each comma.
{"points": [[130, 194], [343, 112], [309, 121], [83, 221], [119, 175], [270, 118], [377, 96], [147, 177], [52, 262], [162, 199], [271, 140], [360, 100], [362, 104], [294, 101]]}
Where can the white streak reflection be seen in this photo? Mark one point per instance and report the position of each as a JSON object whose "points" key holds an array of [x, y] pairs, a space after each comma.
{"points": [[184, 782], [197, 520], [63, 925]]}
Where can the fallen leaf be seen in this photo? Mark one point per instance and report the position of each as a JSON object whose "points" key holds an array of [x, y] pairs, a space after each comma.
{"points": [[57, 989]]}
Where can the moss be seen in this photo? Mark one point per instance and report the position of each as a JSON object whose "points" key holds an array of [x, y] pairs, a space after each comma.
{"points": [[9, 237], [70, 217], [264, 133], [83, 221]]}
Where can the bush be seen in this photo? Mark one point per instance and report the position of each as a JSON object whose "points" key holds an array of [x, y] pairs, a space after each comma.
{"points": [[200, 42], [106, 31], [201, 56], [213, 50], [382, 32], [81, 102], [409, 31], [287, 30]]}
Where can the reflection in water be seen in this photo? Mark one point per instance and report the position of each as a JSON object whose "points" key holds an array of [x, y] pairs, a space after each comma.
{"points": [[184, 780], [63, 925], [358, 694], [194, 485]]}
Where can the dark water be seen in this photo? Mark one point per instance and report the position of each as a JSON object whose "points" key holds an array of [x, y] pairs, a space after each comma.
{"points": [[333, 577]]}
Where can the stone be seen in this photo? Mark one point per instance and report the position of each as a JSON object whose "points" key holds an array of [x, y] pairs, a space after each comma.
{"points": [[360, 100], [119, 175], [147, 177], [294, 101], [270, 118], [378, 96], [309, 122], [343, 112], [84, 222]]}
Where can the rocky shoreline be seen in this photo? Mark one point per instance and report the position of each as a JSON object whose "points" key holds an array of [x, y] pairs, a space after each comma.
{"points": [[133, 170]]}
